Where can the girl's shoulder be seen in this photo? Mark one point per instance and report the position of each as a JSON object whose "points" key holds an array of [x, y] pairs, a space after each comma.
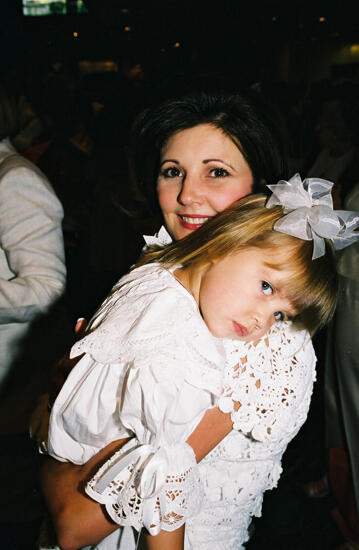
{"points": [[142, 298], [148, 310]]}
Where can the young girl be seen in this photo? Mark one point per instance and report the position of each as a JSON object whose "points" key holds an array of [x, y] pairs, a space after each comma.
{"points": [[153, 360]]}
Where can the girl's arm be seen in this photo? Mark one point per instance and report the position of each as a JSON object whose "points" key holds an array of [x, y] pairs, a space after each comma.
{"points": [[80, 521]]}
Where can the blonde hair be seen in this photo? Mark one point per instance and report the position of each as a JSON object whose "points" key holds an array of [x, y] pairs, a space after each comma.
{"points": [[312, 286]]}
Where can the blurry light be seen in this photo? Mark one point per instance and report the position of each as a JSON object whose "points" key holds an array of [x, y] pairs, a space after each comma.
{"points": [[176, 45], [75, 34], [354, 49], [127, 29], [124, 10], [274, 18], [163, 50], [322, 19]]}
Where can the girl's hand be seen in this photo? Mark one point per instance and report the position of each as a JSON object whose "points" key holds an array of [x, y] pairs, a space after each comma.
{"points": [[165, 540]]}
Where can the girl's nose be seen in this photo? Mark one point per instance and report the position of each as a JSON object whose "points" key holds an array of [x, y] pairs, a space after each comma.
{"points": [[190, 192], [263, 317]]}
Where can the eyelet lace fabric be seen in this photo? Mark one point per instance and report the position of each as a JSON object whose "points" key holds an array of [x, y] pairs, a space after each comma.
{"points": [[273, 374], [273, 381], [167, 506]]}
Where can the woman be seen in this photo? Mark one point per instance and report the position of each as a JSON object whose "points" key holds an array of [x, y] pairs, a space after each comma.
{"points": [[194, 157]]}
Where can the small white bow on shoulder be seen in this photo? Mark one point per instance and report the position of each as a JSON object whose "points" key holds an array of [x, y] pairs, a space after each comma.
{"points": [[161, 238]]}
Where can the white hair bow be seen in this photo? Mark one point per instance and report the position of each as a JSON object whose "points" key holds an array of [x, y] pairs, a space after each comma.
{"points": [[309, 214]]}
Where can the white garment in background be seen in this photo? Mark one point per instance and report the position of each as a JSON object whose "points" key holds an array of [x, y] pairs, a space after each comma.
{"points": [[330, 168], [32, 263], [342, 358], [152, 368]]}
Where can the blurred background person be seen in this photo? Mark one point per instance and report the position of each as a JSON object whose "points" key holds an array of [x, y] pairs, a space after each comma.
{"points": [[32, 268], [32, 321]]}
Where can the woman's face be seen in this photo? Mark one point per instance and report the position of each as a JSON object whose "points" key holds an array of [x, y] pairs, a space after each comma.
{"points": [[202, 172]]}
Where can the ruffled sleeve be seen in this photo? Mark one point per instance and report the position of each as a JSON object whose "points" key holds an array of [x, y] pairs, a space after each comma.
{"points": [[154, 341], [156, 487], [268, 384]]}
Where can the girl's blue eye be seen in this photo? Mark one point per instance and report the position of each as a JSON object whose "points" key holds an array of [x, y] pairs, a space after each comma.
{"points": [[267, 289], [278, 316], [171, 172], [219, 173]]}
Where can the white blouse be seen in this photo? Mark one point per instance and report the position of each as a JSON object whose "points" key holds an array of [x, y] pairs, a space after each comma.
{"points": [[151, 369]]}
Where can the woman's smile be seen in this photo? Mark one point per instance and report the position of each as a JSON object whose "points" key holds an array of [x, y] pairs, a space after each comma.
{"points": [[192, 221]]}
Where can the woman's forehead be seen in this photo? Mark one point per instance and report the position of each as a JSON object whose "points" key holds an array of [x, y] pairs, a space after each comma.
{"points": [[200, 132], [205, 140]]}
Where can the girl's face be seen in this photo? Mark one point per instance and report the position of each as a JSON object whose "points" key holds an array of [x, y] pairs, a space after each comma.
{"points": [[202, 172], [240, 296]]}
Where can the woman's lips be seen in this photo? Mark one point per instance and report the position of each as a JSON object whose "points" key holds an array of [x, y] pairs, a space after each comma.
{"points": [[240, 330], [192, 221]]}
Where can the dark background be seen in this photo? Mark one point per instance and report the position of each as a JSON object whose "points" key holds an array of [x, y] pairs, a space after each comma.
{"points": [[271, 39], [156, 46]]}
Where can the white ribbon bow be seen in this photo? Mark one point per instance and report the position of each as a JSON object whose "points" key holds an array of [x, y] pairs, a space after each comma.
{"points": [[161, 238], [309, 214], [153, 463]]}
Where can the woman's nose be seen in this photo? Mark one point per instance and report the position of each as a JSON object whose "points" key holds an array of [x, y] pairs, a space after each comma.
{"points": [[190, 192]]}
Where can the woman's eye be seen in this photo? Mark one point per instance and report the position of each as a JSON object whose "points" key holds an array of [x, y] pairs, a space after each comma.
{"points": [[279, 316], [171, 172], [219, 173], [267, 289]]}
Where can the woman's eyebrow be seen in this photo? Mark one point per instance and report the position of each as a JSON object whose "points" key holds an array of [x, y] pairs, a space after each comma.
{"points": [[218, 160], [169, 160]]}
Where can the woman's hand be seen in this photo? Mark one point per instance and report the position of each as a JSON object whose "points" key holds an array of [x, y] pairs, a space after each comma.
{"points": [[39, 420], [64, 366], [78, 520]]}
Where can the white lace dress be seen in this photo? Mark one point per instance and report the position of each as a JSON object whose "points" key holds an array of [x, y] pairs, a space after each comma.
{"points": [[151, 368]]}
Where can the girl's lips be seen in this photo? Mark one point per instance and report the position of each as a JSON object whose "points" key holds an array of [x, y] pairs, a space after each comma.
{"points": [[192, 221], [240, 330]]}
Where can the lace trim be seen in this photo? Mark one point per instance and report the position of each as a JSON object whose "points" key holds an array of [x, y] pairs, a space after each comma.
{"points": [[130, 499], [265, 380], [163, 322]]}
